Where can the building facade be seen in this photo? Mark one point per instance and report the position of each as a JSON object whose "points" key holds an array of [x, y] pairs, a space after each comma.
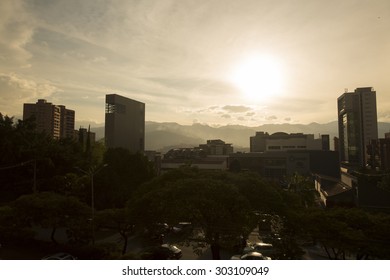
{"points": [[357, 123], [378, 154], [281, 164], [124, 123], [54, 120], [216, 147], [282, 141]]}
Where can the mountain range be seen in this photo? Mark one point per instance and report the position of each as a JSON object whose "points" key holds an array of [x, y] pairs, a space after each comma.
{"points": [[167, 135]]}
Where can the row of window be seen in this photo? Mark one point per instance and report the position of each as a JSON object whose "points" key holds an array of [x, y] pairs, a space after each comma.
{"points": [[285, 147]]}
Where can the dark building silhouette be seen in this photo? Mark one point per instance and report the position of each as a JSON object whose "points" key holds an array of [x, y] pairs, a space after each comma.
{"points": [[54, 120], [378, 154], [277, 165], [363, 157], [85, 137], [216, 147], [358, 125], [124, 123]]}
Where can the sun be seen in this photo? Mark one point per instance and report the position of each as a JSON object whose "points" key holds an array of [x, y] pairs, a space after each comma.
{"points": [[258, 77]]}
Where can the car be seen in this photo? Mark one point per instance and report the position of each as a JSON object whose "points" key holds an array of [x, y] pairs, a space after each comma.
{"points": [[182, 227], [264, 248], [175, 252], [250, 256], [60, 256]]}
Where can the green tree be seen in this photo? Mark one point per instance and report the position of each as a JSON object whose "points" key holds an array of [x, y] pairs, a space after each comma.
{"points": [[50, 210], [353, 232], [118, 219], [115, 184], [213, 206], [385, 183]]}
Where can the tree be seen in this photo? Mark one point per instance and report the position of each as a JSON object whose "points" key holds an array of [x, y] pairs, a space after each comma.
{"points": [[119, 220], [212, 206], [384, 184], [50, 210], [11, 228], [353, 232], [304, 187], [116, 183]]}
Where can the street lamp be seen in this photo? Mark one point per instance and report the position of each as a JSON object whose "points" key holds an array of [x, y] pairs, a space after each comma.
{"points": [[92, 171]]}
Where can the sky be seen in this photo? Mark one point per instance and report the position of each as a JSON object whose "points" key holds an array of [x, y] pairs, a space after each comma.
{"points": [[216, 62]]}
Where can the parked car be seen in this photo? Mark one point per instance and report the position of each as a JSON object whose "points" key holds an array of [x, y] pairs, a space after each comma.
{"points": [[60, 256], [181, 227], [250, 256], [266, 249], [175, 252]]}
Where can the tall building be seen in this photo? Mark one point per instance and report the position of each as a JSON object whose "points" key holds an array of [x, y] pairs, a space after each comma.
{"points": [[357, 121], [125, 123], [56, 121], [67, 122]]}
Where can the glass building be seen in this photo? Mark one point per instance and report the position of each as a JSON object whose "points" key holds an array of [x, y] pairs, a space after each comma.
{"points": [[358, 125], [124, 123]]}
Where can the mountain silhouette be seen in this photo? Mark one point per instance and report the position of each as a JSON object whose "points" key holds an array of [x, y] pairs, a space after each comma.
{"points": [[164, 136]]}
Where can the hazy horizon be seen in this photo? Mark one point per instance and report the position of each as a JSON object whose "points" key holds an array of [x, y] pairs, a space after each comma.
{"points": [[221, 62]]}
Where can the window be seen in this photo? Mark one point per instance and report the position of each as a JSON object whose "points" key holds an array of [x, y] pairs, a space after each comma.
{"points": [[274, 147], [115, 108]]}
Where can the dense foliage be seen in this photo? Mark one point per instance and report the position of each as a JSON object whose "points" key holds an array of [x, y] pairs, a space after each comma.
{"points": [[48, 183]]}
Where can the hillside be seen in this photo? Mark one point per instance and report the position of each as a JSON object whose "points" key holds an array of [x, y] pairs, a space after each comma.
{"points": [[162, 136]]}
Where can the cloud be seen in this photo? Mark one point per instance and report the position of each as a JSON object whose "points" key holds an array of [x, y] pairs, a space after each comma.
{"points": [[225, 116], [271, 118], [16, 30], [16, 90], [236, 108]]}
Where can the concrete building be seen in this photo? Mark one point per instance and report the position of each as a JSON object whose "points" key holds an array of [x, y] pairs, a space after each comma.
{"points": [[124, 123], [85, 137], [357, 122], [204, 163], [333, 192], [54, 120], [281, 141], [214, 155], [362, 156], [277, 165], [378, 154], [67, 121], [216, 148]]}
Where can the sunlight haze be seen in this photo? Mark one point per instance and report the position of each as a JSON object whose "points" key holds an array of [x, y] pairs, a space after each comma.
{"points": [[248, 62]]}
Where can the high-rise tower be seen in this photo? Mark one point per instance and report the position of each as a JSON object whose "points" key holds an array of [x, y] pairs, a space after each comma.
{"points": [[357, 121], [125, 123], [54, 120]]}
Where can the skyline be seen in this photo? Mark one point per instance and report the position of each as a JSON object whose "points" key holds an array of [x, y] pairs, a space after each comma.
{"points": [[192, 61]]}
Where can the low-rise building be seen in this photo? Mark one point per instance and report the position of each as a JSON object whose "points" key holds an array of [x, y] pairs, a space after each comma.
{"points": [[281, 141], [214, 155], [333, 192], [277, 165]]}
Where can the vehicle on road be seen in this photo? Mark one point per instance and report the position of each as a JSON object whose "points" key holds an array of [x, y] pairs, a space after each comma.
{"points": [[266, 249], [162, 252], [60, 256], [182, 227], [250, 256]]}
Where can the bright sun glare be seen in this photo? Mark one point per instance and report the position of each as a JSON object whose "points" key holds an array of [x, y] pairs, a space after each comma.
{"points": [[258, 77]]}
